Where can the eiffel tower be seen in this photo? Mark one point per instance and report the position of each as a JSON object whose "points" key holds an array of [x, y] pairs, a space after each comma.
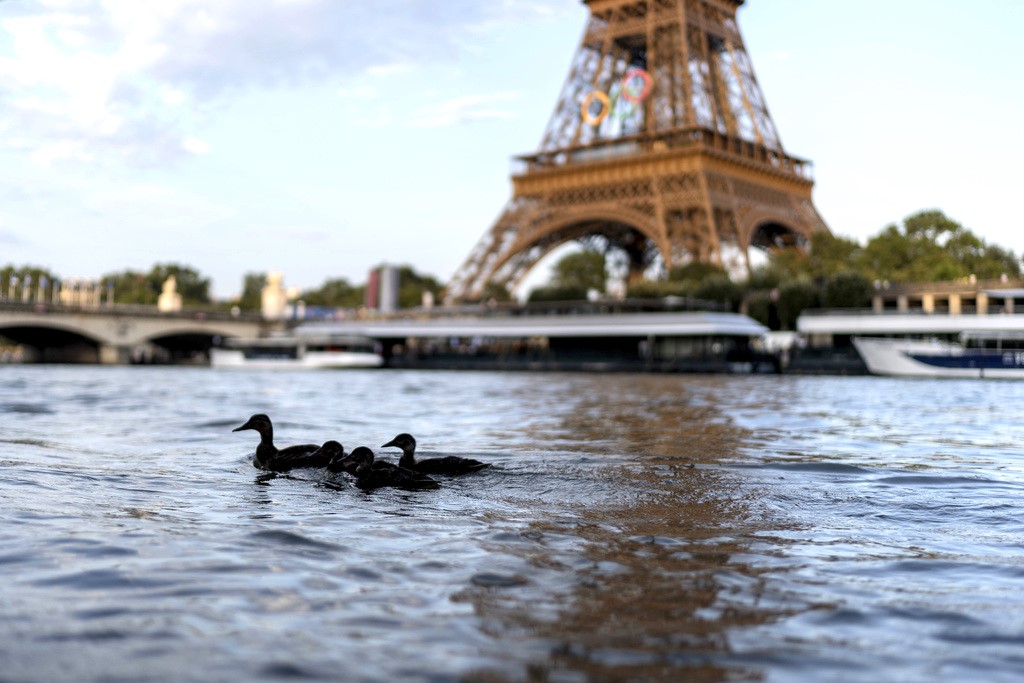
{"points": [[660, 148]]}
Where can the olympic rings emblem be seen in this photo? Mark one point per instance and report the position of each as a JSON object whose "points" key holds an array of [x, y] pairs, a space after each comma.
{"points": [[606, 106], [626, 92], [627, 81]]}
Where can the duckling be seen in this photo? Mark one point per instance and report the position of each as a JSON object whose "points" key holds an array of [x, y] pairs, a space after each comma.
{"points": [[451, 464], [269, 457], [374, 474]]}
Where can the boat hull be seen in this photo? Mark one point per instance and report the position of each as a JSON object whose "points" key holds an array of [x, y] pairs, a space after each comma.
{"points": [[311, 360], [934, 358]]}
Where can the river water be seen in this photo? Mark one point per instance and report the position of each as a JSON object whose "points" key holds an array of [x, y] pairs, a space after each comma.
{"points": [[631, 528]]}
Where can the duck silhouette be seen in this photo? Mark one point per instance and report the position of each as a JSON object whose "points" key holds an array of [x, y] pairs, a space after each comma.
{"points": [[270, 457], [450, 464], [374, 474]]}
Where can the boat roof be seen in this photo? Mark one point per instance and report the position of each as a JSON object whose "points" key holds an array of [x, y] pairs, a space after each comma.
{"points": [[676, 324], [868, 323]]}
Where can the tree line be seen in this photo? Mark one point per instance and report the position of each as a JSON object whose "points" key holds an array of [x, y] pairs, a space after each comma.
{"points": [[145, 287], [834, 272]]}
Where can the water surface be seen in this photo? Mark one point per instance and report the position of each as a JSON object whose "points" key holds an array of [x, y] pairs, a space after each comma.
{"points": [[631, 527]]}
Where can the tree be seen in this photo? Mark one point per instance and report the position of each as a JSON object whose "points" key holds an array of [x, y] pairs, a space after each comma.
{"points": [[252, 292], [795, 297], [133, 287], [693, 272], [130, 287], [583, 270], [193, 287], [657, 289], [832, 254], [929, 247], [412, 285], [336, 293], [496, 292], [718, 287], [22, 274], [847, 290], [572, 277]]}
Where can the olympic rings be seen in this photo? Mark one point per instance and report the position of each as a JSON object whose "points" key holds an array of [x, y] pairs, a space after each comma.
{"points": [[627, 81], [606, 106], [632, 96]]}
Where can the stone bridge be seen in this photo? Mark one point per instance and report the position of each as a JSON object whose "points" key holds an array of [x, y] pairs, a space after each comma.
{"points": [[117, 334]]}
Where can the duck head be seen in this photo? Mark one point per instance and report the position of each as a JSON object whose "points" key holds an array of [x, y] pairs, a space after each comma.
{"points": [[358, 461], [404, 441], [334, 453], [258, 422]]}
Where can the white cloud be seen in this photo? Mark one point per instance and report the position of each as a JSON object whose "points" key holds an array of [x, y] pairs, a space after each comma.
{"points": [[64, 150], [98, 76], [195, 146]]}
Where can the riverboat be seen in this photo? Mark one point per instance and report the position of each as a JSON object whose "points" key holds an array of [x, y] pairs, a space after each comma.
{"points": [[297, 353], [678, 341], [989, 354]]}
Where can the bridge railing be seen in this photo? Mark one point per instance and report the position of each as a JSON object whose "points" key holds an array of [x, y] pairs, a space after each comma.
{"points": [[130, 310]]}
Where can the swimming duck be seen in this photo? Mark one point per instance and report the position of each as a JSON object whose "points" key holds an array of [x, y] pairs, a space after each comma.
{"points": [[333, 452], [269, 457], [375, 474], [451, 464]]}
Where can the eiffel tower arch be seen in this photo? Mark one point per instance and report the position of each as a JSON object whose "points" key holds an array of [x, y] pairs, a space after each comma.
{"points": [[660, 148]]}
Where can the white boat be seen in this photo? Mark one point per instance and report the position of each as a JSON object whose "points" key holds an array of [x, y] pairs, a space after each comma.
{"points": [[297, 353], [989, 354]]}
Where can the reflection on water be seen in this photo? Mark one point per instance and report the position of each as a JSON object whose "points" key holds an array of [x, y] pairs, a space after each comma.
{"points": [[656, 589], [631, 527]]}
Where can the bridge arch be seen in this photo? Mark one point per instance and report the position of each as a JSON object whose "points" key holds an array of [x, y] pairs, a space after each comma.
{"points": [[55, 343], [114, 336]]}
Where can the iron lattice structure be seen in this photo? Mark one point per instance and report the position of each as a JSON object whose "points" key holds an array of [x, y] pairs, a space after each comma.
{"points": [[660, 147]]}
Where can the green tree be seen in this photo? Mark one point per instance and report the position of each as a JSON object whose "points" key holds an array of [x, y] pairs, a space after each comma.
{"points": [[928, 247], [796, 296], [25, 273], [336, 293], [847, 289], [412, 285], [572, 277], [252, 291], [767, 276], [719, 287], [130, 287], [133, 287], [759, 306], [496, 292], [193, 287], [583, 270], [832, 254], [693, 272]]}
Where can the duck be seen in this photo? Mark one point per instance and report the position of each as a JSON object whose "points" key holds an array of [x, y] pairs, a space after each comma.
{"points": [[374, 474], [334, 453], [269, 457], [450, 464]]}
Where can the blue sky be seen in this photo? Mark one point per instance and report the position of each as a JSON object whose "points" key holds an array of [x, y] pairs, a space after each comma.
{"points": [[320, 138]]}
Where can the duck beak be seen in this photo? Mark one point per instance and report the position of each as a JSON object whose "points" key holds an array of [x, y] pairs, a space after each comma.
{"points": [[245, 426], [337, 463], [389, 444]]}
